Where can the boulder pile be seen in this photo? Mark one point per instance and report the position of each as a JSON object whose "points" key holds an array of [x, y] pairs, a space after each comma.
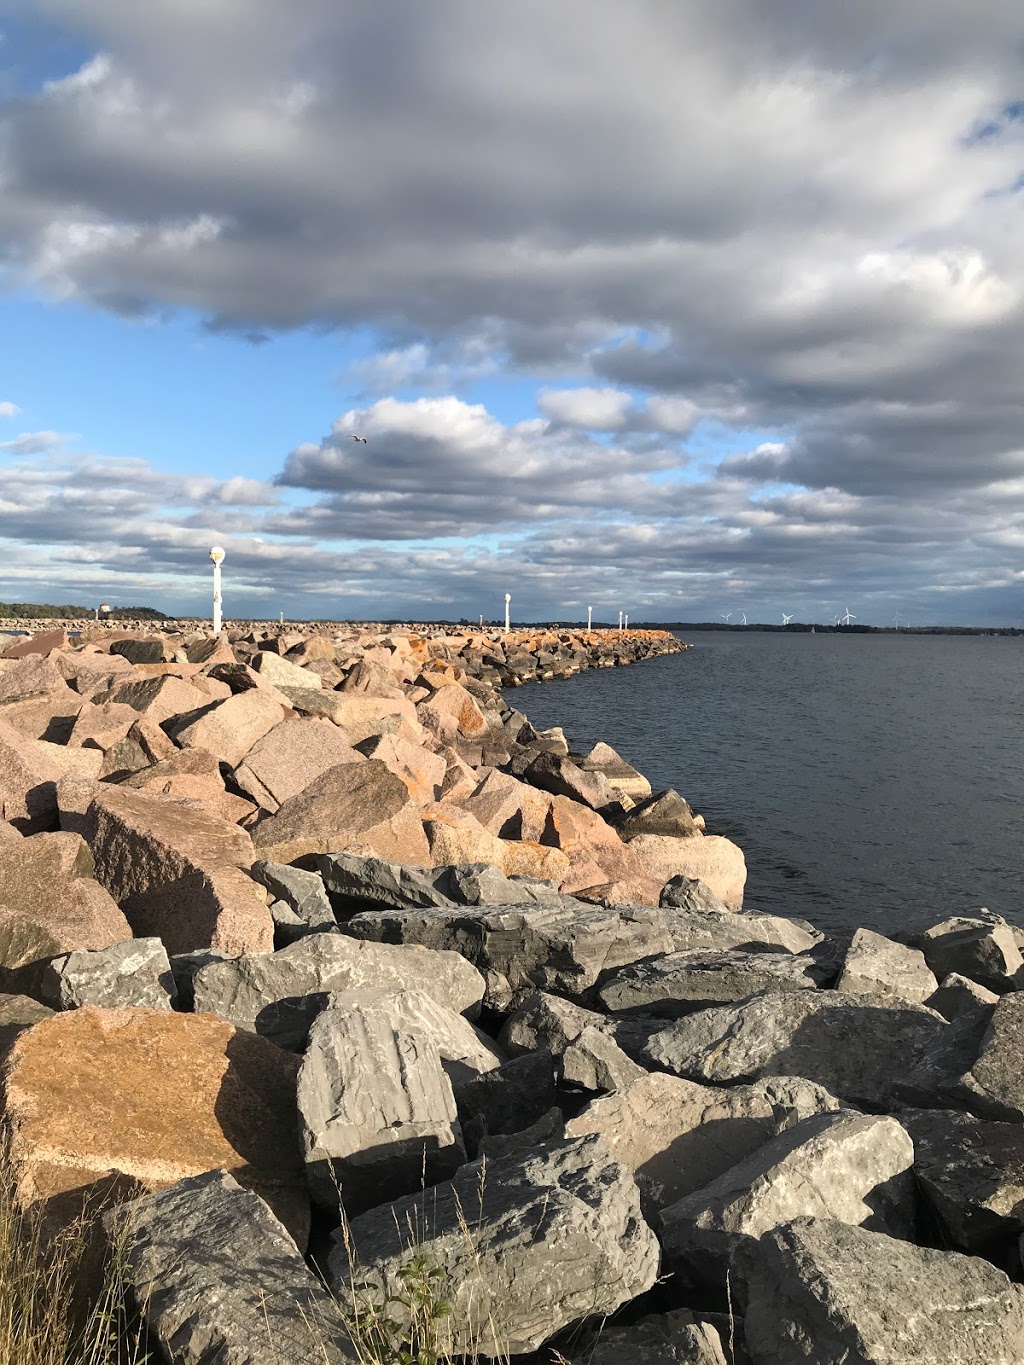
{"points": [[333, 982]]}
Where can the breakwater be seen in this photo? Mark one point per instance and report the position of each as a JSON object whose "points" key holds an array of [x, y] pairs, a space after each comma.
{"points": [[292, 923]]}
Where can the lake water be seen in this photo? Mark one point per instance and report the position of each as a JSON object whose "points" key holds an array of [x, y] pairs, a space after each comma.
{"points": [[870, 779]]}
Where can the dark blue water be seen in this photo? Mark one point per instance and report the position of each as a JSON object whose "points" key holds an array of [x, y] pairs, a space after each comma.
{"points": [[870, 779]]}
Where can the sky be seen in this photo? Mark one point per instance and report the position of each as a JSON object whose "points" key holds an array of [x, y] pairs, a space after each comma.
{"points": [[672, 309]]}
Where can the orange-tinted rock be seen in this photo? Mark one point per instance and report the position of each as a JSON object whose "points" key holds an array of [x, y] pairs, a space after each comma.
{"points": [[422, 771], [158, 699], [8, 834], [716, 861], [145, 743], [177, 872], [29, 772], [535, 860], [460, 780], [361, 716], [191, 777], [314, 647], [348, 808], [508, 807], [291, 756], [51, 717], [283, 673], [230, 728], [98, 727], [89, 671], [32, 676], [42, 642], [106, 1101], [595, 851], [458, 838], [208, 652], [50, 903]]}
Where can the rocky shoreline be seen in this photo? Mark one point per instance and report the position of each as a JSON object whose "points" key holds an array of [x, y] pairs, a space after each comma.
{"points": [[320, 964]]}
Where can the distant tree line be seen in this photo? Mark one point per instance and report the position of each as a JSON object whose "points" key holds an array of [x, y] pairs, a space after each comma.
{"points": [[48, 610]]}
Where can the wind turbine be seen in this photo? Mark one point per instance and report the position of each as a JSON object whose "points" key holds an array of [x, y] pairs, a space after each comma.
{"points": [[845, 620], [896, 620], [726, 616], [786, 619], [744, 615]]}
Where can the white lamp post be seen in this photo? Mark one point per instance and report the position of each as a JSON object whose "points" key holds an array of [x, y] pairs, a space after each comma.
{"points": [[620, 620], [508, 599], [590, 617], [625, 623], [217, 555]]}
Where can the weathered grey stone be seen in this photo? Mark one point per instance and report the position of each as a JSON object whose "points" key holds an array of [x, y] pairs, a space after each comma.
{"points": [[664, 813], [856, 1168], [563, 946], [823, 1292], [623, 779], [676, 984], [689, 893], [875, 965], [508, 1099], [934, 1078], [548, 1022], [218, 1278], [483, 884], [354, 884], [677, 1338], [241, 988], [677, 1136], [556, 1235], [983, 949], [723, 929], [184, 967], [594, 1061], [550, 1127], [376, 1110], [957, 995], [846, 1043], [971, 1172], [561, 776], [302, 891], [136, 972], [994, 1085]]}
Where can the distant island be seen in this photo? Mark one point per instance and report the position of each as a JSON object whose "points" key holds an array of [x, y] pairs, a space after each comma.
{"points": [[805, 628], [36, 611]]}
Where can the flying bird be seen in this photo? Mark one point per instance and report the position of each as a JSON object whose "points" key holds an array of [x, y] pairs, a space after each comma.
{"points": [[357, 438]]}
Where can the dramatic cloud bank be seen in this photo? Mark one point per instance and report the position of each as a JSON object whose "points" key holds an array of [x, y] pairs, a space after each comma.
{"points": [[760, 264]]}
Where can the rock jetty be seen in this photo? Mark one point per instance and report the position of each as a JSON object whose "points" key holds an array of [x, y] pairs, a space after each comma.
{"points": [[327, 980]]}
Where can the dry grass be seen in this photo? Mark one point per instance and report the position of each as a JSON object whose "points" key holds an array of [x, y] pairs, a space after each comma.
{"points": [[45, 1318]]}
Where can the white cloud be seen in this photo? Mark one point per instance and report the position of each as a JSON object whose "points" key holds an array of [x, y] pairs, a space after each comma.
{"points": [[591, 409], [8, 409], [32, 443]]}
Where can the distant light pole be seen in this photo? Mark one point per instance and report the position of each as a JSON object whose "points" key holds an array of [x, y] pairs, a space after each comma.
{"points": [[620, 620], [590, 617], [217, 555], [625, 623], [508, 599]]}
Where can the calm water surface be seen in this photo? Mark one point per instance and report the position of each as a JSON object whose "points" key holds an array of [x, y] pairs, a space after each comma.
{"points": [[870, 779]]}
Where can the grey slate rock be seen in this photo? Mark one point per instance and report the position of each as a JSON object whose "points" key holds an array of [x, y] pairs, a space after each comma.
{"points": [[663, 813], [548, 1022], [853, 1045], [136, 972], [556, 1235], [993, 1086], [184, 967], [241, 988], [971, 1172], [550, 1127], [935, 1078], [562, 946], [689, 930], [677, 1137], [303, 892], [822, 1292], [353, 884], [956, 995], [483, 884], [17, 1013], [594, 1061], [676, 984], [507, 1100], [677, 1338], [219, 1279], [558, 774], [856, 1168], [376, 1111], [689, 893], [982, 948], [875, 965]]}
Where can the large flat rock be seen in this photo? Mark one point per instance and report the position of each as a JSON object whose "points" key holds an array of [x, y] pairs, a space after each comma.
{"points": [[856, 1046], [710, 858], [104, 1101], [677, 984], [994, 1085], [242, 988], [220, 1278], [553, 1236], [231, 727], [822, 1292], [289, 757], [677, 1136]]}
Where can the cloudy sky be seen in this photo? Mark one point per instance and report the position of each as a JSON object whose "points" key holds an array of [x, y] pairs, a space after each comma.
{"points": [[675, 308]]}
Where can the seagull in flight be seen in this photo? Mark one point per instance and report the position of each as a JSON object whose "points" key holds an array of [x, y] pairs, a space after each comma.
{"points": [[357, 438]]}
